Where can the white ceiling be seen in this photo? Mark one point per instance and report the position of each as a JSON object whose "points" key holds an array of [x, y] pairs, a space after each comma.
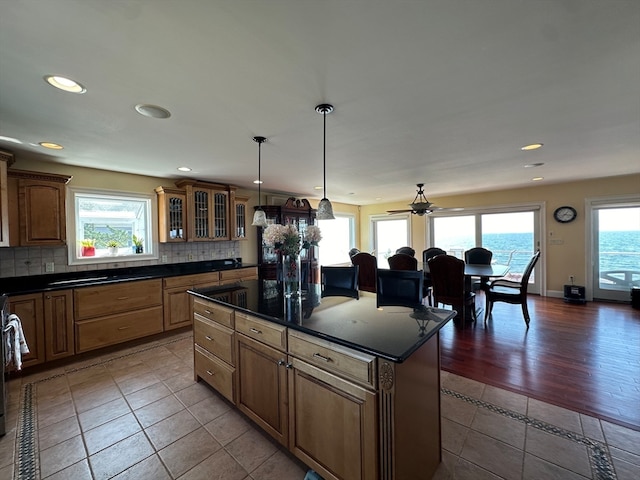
{"points": [[441, 92]]}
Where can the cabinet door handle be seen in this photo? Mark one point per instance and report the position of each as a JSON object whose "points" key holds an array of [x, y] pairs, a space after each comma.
{"points": [[288, 365], [210, 372], [255, 330], [322, 357], [123, 298], [209, 338], [281, 362], [124, 328]]}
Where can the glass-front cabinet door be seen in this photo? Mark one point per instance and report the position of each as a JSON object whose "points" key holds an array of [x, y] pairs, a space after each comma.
{"points": [[208, 210], [171, 213]]}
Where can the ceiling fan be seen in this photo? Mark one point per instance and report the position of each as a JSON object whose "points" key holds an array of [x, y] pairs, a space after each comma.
{"points": [[421, 205]]}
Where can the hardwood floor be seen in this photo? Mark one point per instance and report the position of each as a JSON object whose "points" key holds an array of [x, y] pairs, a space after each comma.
{"points": [[582, 357]]}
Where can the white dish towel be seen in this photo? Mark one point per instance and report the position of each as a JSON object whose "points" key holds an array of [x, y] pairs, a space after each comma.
{"points": [[16, 344]]}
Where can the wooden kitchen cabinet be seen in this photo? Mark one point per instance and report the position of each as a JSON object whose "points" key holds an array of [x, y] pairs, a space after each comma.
{"points": [[214, 344], [58, 324], [115, 313], [172, 215], [37, 215], [47, 323], [6, 159], [208, 210], [30, 310], [178, 311], [262, 375], [239, 219]]}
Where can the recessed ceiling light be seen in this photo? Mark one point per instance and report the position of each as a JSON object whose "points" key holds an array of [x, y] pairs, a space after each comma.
{"points": [[184, 169], [533, 165], [258, 182], [378, 198], [51, 145], [318, 187], [533, 146], [152, 111], [9, 139], [64, 83], [537, 179]]}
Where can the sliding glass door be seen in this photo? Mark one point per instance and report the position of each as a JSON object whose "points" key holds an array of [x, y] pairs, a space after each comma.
{"points": [[389, 234], [512, 236], [615, 231]]}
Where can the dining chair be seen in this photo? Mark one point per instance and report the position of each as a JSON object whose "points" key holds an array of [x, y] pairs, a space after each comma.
{"points": [[447, 276], [407, 251], [353, 251], [368, 267], [426, 255], [402, 261], [339, 281], [502, 290], [479, 256], [399, 287]]}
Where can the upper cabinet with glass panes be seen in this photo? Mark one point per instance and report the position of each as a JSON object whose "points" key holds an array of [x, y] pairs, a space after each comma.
{"points": [[172, 215], [208, 210]]}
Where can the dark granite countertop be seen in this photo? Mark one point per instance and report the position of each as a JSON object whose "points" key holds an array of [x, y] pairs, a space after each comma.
{"points": [[59, 281], [393, 333]]}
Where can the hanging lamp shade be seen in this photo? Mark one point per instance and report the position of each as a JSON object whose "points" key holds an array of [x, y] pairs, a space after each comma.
{"points": [[259, 217], [325, 209]]}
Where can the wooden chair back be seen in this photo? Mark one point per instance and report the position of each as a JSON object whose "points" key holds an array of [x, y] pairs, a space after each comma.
{"points": [[402, 261], [368, 268]]}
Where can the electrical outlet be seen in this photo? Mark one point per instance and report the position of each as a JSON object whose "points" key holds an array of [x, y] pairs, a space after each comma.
{"points": [[49, 267], [165, 259], [190, 256], [231, 253]]}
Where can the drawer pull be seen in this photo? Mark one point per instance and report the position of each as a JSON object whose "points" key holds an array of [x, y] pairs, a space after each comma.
{"points": [[255, 330], [210, 373], [322, 357], [208, 312], [124, 328], [123, 298], [209, 338]]}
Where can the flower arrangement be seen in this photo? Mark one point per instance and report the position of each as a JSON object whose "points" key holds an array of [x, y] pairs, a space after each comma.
{"points": [[287, 240]]}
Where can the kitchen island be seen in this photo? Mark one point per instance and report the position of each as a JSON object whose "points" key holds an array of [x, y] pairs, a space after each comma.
{"points": [[352, 390]]}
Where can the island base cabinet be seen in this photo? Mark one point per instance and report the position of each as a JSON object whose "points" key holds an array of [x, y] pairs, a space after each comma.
{"points": [[215, 372], [262, 386], [332, 424]]}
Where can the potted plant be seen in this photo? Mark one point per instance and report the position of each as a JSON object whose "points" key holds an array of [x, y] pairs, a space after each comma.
{"points": [[112, 246], [138, 244], [88, 247]]}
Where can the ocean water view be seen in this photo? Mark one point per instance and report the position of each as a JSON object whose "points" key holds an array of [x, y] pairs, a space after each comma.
{"points": [[619, 250]]}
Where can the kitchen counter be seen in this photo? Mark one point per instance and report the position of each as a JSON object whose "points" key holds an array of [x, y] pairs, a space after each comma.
{"points": [[393, 333], [58, 281]]}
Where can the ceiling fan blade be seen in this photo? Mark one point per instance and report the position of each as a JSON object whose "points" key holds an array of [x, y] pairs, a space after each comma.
{"points": [[399, 211]]}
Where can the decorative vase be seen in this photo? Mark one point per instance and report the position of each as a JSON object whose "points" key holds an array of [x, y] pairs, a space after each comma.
{"points": [[113, 251], [88, 251], [291, 285]]}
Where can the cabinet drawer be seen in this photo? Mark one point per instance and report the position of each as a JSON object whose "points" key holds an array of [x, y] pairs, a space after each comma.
{"points": [[261, 330], [210, 278], [112, 329], [120, 297], [214, 337], [238, 273], [212, 311], [336, 358], [215, 372]]}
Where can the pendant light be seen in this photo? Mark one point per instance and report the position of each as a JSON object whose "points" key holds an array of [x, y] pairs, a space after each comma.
{"points": [[325, 209], [259, 217]]}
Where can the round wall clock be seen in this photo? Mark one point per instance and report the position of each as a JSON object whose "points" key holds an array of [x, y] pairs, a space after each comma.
{"points": [[565, 214]]}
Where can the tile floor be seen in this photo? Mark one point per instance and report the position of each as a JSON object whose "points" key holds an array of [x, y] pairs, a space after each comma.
{"points": [[138, 414]]}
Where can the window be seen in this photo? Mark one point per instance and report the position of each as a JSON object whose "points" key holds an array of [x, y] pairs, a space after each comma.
{"points": [[389, 234], [511, 233], [108, 225], [337, 239]]}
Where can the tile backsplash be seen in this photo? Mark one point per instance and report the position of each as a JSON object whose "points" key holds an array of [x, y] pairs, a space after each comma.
{"points": [[23, 261]]}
